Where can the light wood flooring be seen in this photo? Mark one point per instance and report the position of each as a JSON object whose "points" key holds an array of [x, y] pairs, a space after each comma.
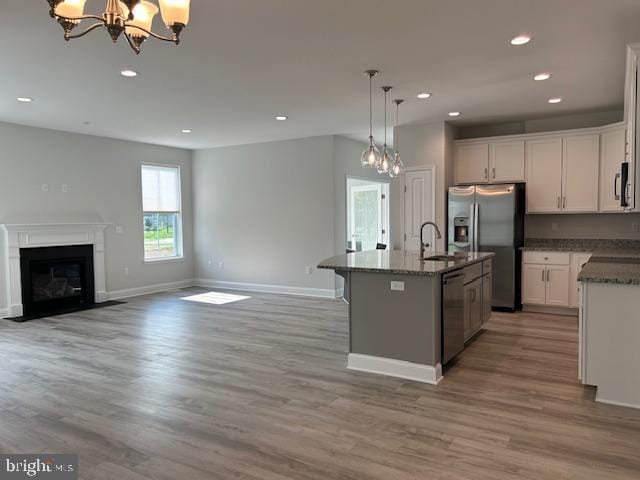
{"points": [[162, 388]]}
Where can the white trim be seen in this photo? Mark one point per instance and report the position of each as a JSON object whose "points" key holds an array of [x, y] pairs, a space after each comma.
{"points": [[395, 368], [17, 236], [149, 289], [433, 202], [550, 309], [4, 313], [616, 403], [257, 287]]}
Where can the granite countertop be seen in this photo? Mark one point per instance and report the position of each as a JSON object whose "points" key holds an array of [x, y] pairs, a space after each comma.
{"points": [[604, 247], [600, 271], [399, 262]]}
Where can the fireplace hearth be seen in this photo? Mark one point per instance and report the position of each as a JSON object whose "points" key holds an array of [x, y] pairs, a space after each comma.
{"points": [[56, 279]]}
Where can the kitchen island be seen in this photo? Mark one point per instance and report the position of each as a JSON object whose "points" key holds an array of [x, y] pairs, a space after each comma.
{"points": [[407, 316]]}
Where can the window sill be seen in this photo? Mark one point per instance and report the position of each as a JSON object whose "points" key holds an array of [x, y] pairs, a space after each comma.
{"points": [[164, 260]]}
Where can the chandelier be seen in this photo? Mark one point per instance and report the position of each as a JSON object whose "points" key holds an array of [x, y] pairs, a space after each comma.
{"points": [[387, 162], [133, 18]]}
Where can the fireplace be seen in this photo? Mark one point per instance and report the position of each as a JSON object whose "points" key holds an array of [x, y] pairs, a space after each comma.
{"points": [[56, 279]]}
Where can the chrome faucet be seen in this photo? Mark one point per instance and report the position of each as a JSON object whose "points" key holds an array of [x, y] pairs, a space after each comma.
{"points": [[422, 244]]}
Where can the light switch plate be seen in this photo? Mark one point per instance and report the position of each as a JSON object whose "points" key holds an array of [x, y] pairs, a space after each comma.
{"points": [[119, 229], [397, 286]]}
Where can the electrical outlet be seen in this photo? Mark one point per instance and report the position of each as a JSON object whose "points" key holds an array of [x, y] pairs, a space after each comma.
{"points": [[119, 229], [635, 227], [65, 188], [554, 227], [397, 286], [308, 270], [221, 265], [209, 262], [45, 187], [126, 271]]}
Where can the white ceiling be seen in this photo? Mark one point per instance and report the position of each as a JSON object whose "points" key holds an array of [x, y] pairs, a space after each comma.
{"points": [[243, 61]]}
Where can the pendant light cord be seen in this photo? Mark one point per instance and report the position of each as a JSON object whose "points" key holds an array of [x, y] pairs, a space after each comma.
{"points": [[397, 132], [370, 107], [385, 119]]}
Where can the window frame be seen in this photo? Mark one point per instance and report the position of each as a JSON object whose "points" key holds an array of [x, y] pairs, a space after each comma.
{"points": [[384, 206], [179, 256]]}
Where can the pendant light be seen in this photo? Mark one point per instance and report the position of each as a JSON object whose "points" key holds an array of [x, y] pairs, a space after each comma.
{"points": [[386, 159], [371, 156], [398, 167]]}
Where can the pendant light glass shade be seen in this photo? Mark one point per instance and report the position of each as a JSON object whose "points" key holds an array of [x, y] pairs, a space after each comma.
{"points": [[175, 11], [143, 14], [370, 158], [71, 9]]}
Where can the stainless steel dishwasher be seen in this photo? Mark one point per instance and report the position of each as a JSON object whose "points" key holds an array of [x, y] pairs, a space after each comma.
{"points": [[452, 315]]}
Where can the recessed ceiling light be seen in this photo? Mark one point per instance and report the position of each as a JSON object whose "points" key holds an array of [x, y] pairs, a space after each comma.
{"points": [[129, 73], [24, 99], [454, 114], [282, 118], [186, 130], [520, 40], [542, 76], [555, 100], [424, 95]]}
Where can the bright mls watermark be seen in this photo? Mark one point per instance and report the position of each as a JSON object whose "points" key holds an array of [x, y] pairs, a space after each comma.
{"points": [[41, 466]]}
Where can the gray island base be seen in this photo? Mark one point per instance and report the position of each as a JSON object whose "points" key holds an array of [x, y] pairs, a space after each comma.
{"points": [[396, 308]]}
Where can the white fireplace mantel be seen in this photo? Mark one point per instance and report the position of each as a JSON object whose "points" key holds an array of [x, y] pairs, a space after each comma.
{"points": [[17, 236]]}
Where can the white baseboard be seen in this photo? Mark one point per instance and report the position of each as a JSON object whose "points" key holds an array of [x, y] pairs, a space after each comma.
{"points": [[149, 289], [395, 368], [256, 287], [567, 311], [616, 403]]}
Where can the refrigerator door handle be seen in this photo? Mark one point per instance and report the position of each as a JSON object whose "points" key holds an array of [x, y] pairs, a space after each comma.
{"points": [[472, 228], [476, 226]]}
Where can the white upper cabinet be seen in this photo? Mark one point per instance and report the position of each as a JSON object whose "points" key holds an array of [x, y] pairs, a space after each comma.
{"points": [[580, 172], [506, 161], [544, 175], [472, 163], [612, 155]]}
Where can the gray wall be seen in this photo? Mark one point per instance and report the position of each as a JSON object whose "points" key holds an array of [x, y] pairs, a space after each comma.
{"points": [[592, 226], [422, 145], [264, 212], [103, 177]]}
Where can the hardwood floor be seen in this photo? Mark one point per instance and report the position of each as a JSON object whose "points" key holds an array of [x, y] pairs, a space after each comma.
{"points": [[162, 388]]}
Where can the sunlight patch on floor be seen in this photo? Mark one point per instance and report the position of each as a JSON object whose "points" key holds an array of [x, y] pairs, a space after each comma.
{"points": [[216, 298]]}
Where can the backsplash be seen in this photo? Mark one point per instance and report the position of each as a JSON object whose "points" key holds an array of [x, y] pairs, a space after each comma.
{"points": [[585, 226]]}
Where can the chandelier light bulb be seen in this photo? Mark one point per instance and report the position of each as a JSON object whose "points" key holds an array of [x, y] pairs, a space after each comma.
{"points": [[71, 9], [175, 12]]}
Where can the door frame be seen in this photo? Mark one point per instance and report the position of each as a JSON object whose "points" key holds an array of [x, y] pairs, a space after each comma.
{"points": [[385, 213], [432, 169]]}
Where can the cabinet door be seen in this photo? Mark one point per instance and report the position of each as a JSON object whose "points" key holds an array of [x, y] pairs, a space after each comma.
{"points": [[580, 167], [472, 163], [486, 298], [544, 175], [577, 262], [557, 288], [468, 295], [612, 154], [534, 284], [506, 161]]}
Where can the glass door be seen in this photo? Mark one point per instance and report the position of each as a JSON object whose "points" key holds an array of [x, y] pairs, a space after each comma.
{"points": [[367, 214]]}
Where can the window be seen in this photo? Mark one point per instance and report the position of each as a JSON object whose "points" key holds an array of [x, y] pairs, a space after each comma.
{"points": [[162, 212], [367, 214]]}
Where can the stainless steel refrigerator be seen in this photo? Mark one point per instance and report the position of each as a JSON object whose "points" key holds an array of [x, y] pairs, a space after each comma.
{"points": [[490, 218]]}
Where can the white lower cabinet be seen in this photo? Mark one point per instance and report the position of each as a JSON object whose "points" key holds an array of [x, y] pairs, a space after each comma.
{"points": [[547, 279]]}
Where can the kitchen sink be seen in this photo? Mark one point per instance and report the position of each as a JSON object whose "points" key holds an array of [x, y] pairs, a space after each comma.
{"points": [[623, 260], [445, 258]]}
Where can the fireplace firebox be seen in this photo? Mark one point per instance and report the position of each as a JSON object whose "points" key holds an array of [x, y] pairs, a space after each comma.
{"points": [[57, 279]]}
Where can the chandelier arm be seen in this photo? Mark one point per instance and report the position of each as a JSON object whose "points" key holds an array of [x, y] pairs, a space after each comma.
{"points": [[82, 34], [83, 17], [154, 35]]}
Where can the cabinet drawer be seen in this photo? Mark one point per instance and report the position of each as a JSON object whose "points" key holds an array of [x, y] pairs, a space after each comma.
{"points": [[472, 272], [547, 258], [486, 266]]}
